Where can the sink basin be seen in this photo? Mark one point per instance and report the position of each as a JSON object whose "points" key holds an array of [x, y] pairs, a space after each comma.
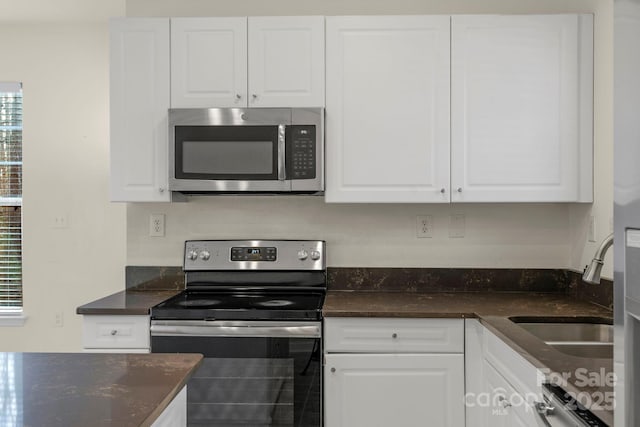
{"points": [[590, 337], [598, 351]]}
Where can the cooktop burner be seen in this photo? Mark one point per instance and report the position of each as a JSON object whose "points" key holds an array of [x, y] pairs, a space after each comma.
{"points": [[275, 303], [240, 306], [204, 302]]}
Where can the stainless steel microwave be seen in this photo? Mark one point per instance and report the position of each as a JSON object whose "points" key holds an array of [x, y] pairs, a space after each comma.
{"points": [[246, 150]]}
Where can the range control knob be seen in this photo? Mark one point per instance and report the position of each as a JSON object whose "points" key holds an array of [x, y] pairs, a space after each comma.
{"points": [[315, 255], [302, 254], [192, 255], [205, 255]]}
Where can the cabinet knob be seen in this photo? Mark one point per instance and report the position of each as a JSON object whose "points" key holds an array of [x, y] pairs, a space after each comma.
{"points": [[394, 335], [114, 332], [254, 97], [161, 190], [544, 408], [238, 96], [459, 189], [505, 403], [442, 190], [333, 369]]}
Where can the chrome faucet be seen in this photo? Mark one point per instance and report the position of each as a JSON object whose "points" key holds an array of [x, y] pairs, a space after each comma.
{"points": [[592, 272]]}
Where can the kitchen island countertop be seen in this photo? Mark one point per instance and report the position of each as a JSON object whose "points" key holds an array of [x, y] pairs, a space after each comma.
{"points": [[88, 389]]}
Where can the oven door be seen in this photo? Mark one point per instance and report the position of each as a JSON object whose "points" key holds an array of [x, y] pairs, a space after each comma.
{"points": [[253, 373], [228, 150]]}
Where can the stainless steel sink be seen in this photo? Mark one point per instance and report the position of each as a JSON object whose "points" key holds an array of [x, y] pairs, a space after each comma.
{"points": [[590, 350], [590, 337]]}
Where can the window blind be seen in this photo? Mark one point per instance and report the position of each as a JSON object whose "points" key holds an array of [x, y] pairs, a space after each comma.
{"points": [[10, 196]]}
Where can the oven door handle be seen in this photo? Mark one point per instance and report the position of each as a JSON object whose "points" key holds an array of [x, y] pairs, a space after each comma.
{"points": [[235, 329]]}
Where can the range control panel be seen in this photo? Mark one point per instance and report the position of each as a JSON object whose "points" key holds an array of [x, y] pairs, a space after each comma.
{"points": [[215, 255], [254, 253]]}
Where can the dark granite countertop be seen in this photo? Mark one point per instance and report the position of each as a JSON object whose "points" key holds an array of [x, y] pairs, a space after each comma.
{"points": [[455, 304], [127, 302], [493, 310], [88, 389]]}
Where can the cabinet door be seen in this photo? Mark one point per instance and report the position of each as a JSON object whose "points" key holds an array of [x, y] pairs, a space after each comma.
{"points": [[139, 90], [495, 399], [208, 62], [400, 390], [387, 118], [503, 405], [521, 102], [286, 61]]}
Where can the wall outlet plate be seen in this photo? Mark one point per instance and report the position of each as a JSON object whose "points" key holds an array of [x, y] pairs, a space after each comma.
{"points": [[156, 225], [424, 226]]}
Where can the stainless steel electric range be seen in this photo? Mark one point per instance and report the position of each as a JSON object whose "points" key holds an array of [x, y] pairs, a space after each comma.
{"points": [[253, 308]]}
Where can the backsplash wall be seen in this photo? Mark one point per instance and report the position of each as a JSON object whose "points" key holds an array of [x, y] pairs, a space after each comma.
{"points": [[367, 235]]}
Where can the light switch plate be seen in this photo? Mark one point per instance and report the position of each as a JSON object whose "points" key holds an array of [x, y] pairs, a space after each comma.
{"points": [[456, 226]]}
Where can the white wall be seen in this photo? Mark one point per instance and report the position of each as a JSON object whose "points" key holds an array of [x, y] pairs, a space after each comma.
{"points": [[64, 69], [501, 235], [361, 235]]}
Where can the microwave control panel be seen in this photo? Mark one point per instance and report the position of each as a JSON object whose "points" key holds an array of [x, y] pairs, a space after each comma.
{"points": [[301, 150]]}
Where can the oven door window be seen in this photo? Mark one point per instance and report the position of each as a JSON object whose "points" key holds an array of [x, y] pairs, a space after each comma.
{"points": [[251, 381], [226, 152]]}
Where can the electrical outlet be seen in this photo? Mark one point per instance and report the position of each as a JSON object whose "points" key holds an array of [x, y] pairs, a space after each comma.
{"points": [[60, 220], [59, 320], [456, 226], [424, 226], [156, 225]]}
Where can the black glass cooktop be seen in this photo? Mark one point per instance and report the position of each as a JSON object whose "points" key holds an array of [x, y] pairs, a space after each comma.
{"points": [[241, 305]]}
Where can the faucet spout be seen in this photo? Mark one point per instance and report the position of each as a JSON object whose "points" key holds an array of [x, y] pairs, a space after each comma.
{"points": [[592, 272]]}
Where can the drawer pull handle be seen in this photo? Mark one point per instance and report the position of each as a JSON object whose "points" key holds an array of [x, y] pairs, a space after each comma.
{"points": [[333, 369], [114, 332], [505, 403], [544, 408], [394, 335]]}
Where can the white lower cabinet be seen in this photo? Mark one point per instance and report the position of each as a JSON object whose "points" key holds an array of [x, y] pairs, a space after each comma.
{"points": [[501, 386], [174, 415], [116, 334], [394, 390], [383, 372]]}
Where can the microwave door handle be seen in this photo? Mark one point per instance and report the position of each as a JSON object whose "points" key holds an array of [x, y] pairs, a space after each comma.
{"points": [[281, 152]]}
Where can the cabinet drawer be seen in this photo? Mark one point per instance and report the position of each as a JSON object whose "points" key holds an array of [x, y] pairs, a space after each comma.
{"points": [[116, 332], [385, 335]]}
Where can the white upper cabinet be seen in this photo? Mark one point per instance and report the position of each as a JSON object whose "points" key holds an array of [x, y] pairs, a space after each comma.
{"points": [[503, 113], [208, 62], [286, 61], [387, 114], [240, 62], [521, 108], [139, 91]]}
